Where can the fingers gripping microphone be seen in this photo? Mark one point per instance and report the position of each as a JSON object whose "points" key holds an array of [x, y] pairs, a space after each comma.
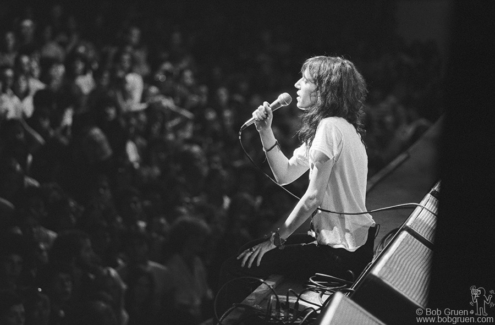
{"points": [[282, 100]]}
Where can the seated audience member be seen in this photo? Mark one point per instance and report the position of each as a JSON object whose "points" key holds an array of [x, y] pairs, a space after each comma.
{"points": [[20, 141], [13, 178], [10, 105], [139, 296], [151, 282], [23, 94], [108, 284], [11, 309], [130, 207], [12, 252], [27, 64], [73, 248], [8, 47], [192, 294], [56, 280]]}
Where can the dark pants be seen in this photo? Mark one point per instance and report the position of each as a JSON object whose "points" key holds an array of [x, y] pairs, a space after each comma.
{"points": [[300, 259], [303, 257]]}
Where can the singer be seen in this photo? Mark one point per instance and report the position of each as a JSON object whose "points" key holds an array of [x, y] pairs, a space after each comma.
{"points": [[331, 93]]}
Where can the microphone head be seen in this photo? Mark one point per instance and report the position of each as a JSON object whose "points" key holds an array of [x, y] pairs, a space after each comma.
{"points": [[284, 99]]}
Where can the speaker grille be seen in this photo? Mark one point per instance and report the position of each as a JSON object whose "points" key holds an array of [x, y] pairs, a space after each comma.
{"points": [[422, 221], [343, 310], [406, 268]]}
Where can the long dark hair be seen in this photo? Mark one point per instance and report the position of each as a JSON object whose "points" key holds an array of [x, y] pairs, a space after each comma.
{"points": [[341, 91]]}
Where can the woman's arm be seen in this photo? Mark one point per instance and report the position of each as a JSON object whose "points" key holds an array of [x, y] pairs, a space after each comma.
{"points": [[310, 201], [284, 170], [35, 140], [313, 197]]}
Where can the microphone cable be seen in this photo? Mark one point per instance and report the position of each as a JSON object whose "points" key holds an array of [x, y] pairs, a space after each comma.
{"points": [[393, 207]]}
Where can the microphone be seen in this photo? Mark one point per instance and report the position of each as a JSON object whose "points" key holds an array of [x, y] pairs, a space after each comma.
{"points": [[282, 100]]}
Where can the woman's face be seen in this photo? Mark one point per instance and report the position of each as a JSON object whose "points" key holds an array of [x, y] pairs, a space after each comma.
{"points": [[188, 78], [126, 61], [104, 79], [306, 95], [24, 63], [34, 68], [27, 29], [223, 95], [134, 36], [56, 71], [20, 85], [8, 78], [110, 113], [9, 41]]}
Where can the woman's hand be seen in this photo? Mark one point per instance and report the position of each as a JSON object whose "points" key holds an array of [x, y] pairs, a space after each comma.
{"points": [[255, 253], [263, 117]]}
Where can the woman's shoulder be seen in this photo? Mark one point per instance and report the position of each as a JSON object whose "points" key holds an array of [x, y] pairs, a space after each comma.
{"points": [[333, 121]]}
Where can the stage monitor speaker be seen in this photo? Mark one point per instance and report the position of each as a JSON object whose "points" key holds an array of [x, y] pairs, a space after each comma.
{"points": [[342, 310], [421, 223], [396, 285]]}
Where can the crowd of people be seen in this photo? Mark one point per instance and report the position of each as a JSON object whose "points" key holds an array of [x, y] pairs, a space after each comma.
{"points": [[123, 185]]}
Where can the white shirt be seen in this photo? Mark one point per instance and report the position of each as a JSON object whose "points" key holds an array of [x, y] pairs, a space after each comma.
{"points": [[346, 188], [10, 105]]}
